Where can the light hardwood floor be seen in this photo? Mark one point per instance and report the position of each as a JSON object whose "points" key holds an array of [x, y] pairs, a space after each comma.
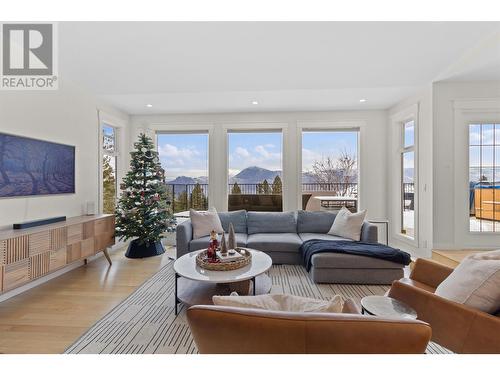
{"points": [[452, 258], [50, 317]]}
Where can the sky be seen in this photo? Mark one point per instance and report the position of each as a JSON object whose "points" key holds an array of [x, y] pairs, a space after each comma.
{"points": [[319, 145], [254, 149], [183, 154], [187, 154], [409, 136]]}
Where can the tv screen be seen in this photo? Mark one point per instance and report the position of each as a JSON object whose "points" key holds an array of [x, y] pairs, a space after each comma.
{"points": [[34, 167]]}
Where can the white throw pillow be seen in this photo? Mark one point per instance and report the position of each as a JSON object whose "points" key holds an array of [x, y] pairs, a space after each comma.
{"points": [[204, 222], [475, 282], [281, 302], [348, 224]]}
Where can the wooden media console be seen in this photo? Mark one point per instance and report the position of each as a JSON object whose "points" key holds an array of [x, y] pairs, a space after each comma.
{"points": [[28, 254]]}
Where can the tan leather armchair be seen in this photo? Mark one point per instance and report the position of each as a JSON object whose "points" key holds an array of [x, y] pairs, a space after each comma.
{"points": [[455, 326], [231, 330]]}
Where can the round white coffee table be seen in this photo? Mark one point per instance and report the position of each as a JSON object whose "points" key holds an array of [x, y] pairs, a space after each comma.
{"points": [[196, 286]]}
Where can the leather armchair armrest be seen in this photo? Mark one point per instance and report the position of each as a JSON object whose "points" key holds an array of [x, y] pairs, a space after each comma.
{"points": [[430, 272], [457, 327], [184, 235]]}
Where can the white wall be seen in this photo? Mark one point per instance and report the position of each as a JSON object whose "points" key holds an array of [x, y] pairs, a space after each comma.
{"points": [[372, 148], [450, 160], [423, 243], [67, 116]]}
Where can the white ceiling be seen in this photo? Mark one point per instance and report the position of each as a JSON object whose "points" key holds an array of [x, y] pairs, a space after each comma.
{"points": [[223, 67]]}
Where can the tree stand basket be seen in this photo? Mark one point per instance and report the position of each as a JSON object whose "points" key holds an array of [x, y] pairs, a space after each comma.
{"points": [[144, 250]]}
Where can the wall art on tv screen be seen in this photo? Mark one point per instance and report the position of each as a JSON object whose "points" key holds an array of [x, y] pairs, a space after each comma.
{"points": [[34, 167]]}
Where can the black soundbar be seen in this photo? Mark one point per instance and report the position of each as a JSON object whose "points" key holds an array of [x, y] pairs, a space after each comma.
{"points": [[36, 223]]}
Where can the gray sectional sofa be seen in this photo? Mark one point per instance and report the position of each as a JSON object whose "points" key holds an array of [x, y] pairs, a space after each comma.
{"points": [[280, 235]]}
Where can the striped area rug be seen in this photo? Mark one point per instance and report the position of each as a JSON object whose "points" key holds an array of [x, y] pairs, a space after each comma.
{"points": [[145, 321]]}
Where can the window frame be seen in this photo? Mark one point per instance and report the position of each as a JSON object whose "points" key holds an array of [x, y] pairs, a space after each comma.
{"points": [[331, 128], [395, 197], [404, 150], [494, 145], [193, 131], [468, 111], [263, 128], [257, 127], [155, 128], [115, 154], [341, 126]]}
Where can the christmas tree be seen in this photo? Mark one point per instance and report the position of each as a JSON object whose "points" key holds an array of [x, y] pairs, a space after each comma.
{"points": [[143, 212]]}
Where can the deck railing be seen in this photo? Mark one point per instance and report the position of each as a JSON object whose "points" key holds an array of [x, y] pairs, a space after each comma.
{"points": [[186, 196], [340, 189], [250, 196], [408, 196]]}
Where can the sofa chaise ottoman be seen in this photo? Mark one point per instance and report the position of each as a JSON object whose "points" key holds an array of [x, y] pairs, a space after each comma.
{"points": [[280, 235]]}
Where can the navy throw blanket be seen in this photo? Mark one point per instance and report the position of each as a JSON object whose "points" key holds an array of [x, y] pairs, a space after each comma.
{"points": [[374, 250]]}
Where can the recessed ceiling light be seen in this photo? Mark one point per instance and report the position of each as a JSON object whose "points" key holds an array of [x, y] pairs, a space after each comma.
{"points": [[255, 102], [149, 105], [362, 100]]}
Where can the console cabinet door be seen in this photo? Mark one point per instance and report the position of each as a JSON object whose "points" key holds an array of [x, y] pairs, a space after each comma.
{"points": [[39, 265], [57, 259], [74, 252], [16, 274], [75, 233], [88, 247]]}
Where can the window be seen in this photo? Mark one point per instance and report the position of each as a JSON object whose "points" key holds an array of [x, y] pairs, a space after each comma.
{"points": [[109, 164], [184, 156], [408, 179], [255, 171], [484, 177], [330, 170]]}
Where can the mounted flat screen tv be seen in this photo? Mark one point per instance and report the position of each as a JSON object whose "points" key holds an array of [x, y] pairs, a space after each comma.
{"points": [[34, 167]]}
